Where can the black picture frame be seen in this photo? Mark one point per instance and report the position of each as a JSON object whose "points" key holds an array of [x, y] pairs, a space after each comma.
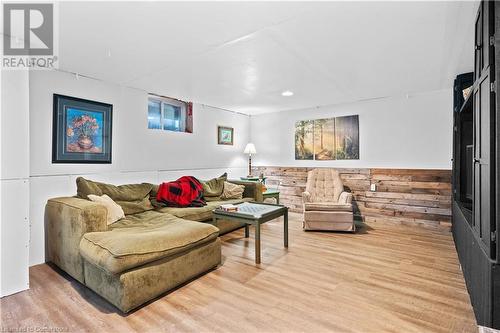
{"points": [[81, 130]]}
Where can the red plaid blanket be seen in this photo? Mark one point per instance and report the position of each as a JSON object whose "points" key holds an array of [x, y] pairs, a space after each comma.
{"points": [[186, 191]]}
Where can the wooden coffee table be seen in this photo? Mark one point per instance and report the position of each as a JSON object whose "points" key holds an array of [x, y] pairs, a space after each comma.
{"points": [[255, 214]]}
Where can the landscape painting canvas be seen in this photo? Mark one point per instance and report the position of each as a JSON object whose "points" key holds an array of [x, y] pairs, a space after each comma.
{"points": [[304, 140], [327, 139], [81, 131], [324, 139], [347, 138]]}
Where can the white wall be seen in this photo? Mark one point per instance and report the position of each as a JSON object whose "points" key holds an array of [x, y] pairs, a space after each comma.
{"points": [[396, 132], [14, 181], [139, 154]]}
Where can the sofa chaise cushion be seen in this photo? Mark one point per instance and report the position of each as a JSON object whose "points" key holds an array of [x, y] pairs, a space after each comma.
{"points": [[200, 213], [143, 238]]}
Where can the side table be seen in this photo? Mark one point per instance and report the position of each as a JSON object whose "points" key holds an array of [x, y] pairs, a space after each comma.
{"points": [[271, 193]]}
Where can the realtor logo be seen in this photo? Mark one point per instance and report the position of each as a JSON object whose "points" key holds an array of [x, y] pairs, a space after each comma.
{"points": [[30, 28], [28, 39]]}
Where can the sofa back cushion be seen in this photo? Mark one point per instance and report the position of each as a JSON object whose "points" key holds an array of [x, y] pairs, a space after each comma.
{"points": [[133, 198]]}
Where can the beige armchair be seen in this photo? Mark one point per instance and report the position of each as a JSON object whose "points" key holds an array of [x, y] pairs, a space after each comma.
{"points": [[326, 205]]}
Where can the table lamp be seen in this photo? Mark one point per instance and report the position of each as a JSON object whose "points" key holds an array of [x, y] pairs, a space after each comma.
{"points": [[250, 149]]}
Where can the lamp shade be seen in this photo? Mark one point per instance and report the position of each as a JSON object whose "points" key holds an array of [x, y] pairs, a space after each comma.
{"points": [[250, 149]]}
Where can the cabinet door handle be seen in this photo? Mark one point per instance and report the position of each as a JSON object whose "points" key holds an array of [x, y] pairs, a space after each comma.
{"points": [[477, 160]]}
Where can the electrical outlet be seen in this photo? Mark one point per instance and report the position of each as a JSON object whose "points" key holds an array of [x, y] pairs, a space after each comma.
{"points": [[373, 187]]}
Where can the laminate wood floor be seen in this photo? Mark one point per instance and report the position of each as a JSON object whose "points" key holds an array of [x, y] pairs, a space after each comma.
{"points": [[385, 278]]}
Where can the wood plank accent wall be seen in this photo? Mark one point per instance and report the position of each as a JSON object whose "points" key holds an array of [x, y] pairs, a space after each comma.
{"points": [[407, 196]]}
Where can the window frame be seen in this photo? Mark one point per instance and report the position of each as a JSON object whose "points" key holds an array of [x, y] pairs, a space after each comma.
{"points": [[174, 102]]}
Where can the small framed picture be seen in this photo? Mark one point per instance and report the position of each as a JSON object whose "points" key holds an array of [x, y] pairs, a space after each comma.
{"points": [[81, 131], [225, 135]]}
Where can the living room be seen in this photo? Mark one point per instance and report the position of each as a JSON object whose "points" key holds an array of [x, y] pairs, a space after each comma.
{"points": [[249, 166]]}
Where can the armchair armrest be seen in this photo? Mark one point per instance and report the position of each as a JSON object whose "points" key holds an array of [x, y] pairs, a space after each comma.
{"points": [[345, 198], [306, 196], [252, 189], [67, 219]]}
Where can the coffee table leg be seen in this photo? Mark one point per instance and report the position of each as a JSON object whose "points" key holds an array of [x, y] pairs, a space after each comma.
{"points": [[257, 243], [285, 225], [247, 231]]}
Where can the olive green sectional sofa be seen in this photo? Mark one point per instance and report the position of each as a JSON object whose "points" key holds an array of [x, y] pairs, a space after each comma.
{"points": [[151, 251]]}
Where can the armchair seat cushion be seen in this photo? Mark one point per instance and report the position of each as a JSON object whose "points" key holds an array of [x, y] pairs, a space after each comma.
{"points": [[327, 206], [138, 240]]}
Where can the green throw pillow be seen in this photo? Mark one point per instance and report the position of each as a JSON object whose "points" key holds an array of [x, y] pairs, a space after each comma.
{"points": [[214, 187]]}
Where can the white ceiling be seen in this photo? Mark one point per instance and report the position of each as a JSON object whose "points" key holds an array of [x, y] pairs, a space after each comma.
{"points": [[240, 56]]}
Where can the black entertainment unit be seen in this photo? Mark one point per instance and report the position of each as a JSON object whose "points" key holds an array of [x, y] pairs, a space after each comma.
{"points": [[475, 169]]}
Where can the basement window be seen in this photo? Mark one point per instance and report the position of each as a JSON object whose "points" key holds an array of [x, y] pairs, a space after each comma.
{"points": [[169, 114]]}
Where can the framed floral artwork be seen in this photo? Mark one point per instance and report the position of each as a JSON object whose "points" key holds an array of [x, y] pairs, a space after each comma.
{"points": [[81, 131], [225, 135]]}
